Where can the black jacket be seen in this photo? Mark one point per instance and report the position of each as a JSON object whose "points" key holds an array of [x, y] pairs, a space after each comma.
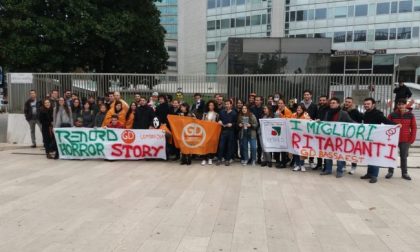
{"points": [[375, 117], [312, 110], [143, 118], [45, 118], [27, 110], [322, 110], [198, 109], [162, 112], [343, 116], [355, 115], [402, 92]]}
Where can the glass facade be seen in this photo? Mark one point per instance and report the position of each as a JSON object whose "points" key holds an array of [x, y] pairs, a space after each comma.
{"points": [[234, 18], [169, 17], [368, 36]]}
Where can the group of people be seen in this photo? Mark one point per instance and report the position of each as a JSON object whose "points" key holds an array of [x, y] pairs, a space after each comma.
{"points": [[240, 134]]}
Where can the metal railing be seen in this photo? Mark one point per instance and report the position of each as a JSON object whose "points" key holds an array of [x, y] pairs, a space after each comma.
{"points": [[290, 86]]}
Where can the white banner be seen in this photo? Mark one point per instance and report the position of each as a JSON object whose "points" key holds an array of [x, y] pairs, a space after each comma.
{"points": [[113, 144], [351, 142]]}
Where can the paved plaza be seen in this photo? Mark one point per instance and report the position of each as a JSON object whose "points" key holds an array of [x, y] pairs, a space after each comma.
{"points": [[55, 205]]}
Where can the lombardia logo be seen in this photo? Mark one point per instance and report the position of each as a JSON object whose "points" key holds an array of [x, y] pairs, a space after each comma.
{"points": [[128, 136], [276, 131], [193, 135]]}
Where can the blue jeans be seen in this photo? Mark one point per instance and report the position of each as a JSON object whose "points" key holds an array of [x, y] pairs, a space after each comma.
{"points": [[329, 164], [298, 161], [226, 145], [244, 148], [373, 170]]}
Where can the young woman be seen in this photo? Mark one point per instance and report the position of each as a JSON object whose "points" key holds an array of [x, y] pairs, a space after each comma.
{"points": [[238, 108], [87, 115], [76, 109], [302, 115], [130, 116], [267, 155], [212, 116], [247, 124], [100, 116], [62, 115], [185, 111], [46, 120]]}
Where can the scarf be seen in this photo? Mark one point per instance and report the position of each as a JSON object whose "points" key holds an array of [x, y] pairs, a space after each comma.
{"points": [[332, 113]]}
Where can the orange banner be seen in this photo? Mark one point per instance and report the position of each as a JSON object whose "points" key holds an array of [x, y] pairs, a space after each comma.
{"points": [[194, 136]]}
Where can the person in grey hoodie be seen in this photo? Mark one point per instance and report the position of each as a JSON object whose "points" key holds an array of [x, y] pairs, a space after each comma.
{"points": [[62, 115]]}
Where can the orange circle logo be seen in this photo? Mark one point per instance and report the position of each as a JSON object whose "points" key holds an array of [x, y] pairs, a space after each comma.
{"points": [[128, 136], [193, 135]]}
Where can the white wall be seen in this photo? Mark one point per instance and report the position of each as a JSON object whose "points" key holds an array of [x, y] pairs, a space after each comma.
{"points": [[277, 18], [192, 27], [18, 131]]}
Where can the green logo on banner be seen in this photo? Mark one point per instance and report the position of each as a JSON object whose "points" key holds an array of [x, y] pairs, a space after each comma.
{"points": [[276, 131]]}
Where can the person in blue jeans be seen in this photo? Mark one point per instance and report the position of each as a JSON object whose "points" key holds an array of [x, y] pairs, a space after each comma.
{"points": [[335, 114], [227, 119], [247, 123], [373, 116]]}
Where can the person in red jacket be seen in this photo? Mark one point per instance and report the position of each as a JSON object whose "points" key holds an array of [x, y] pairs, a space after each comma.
{"points": [[115, 124], [408, 129]]}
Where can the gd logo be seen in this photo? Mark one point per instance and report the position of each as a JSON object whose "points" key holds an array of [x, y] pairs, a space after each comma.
{"points": [[128, 136], [193, 135]]}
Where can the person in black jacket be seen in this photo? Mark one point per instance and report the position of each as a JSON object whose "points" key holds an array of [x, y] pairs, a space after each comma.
{"points": [[31, 111], [198, 106], [357, 117], [401, 92], [143, 118], [373, 116], [46, 120], [163, 110], [323, 107], [257, 110], [312, 110]]}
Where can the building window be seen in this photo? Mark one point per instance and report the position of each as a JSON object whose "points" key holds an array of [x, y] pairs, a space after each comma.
{"points": [[217, 24], [319, 35], [264, 19], [256, 20], [225, 3], [415, 33], [361, 10], [171, 64], [211, 25], [171, 49], [301, 15], [300, 35], [211, 4], [392, 33], [340, 12], [311, 14], [349, 36], [382, 8], [292, 16], [416, 5], [320, 14], [240, 2], [359, 36], [381, 34], [211, 68], [225, 23], [406, 6], [351, 11], [404, 33], [232, 23], [248, 21], [211, 47], [240, 21], [339, 37], [394, 7]]}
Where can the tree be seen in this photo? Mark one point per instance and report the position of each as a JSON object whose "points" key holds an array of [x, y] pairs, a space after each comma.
{"points": [[94, 35]]}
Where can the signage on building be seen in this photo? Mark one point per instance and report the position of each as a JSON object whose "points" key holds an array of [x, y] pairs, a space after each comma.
{"points": [[21, 78], [359, 52]]}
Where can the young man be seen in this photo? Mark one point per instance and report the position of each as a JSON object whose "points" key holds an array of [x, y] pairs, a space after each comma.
{"points": [[323, 107], [115, 124], [373, 116], [31, 111], [68, 98], [257, 110], [407, 135], [227, 118], [312, 110], [220, 104], [198, 106], [162, 110], [143, 118], [357, 117], [335, 114], [401, 92]]}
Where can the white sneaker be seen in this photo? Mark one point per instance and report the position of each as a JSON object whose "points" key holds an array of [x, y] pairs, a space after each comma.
{"points": [[352, 171], [297, 168], [312, 165], [210, 162], [244, 162], [203, 162], [303, 168], [253, 163]]}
